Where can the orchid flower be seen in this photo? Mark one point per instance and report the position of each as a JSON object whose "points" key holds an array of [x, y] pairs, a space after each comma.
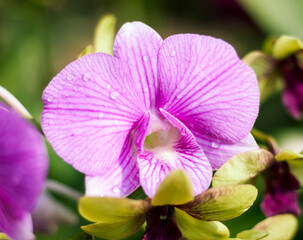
{"points": [[154, 106], [281, 183], [172, 213], [24, 164], [282, 59]]}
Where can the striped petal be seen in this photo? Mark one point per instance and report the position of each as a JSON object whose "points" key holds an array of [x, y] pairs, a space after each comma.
{"points": [[219, 152], [207, 87], [182, 152], [90, 107], [121, 180], [137, 44]]}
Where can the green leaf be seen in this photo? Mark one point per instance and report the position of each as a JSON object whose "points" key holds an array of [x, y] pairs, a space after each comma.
{"points": [[279, 227], [195, 229], [253, 234], [288, 155], [296, 168], [109, 210], [264, 67], [242, 167], [222, 203], [286, 46], [105, 34], [175, 189], [88, 50], [117, 230]]}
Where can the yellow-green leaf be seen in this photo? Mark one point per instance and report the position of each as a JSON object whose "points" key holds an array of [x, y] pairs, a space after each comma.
{"points": [[253, 234], [175, 189], [88, 50], [105, 34], [242, 167], [222, 203], [264, 67], [195, 229], [288, 155], [285, 46], [296, 168], [109, 210], [279, 227], [117, 230], [3, 236]]}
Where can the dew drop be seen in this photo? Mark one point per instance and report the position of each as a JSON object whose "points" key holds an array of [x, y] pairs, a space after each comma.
{"points": [[116, 122], [66, 94], [114, 95], [145, 58], [101, 115], [215, 144], [163, 217], [86, 77], [173, 53], [116, 190], [108, 86], [68, 78], [49, 99]]}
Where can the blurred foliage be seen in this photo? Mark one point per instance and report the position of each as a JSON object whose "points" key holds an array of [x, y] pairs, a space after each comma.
{"points": [[39, 37]]}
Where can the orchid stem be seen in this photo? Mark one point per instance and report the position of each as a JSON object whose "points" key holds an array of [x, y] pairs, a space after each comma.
{"points": [[62, 189], [267, 139], [13, 102]]}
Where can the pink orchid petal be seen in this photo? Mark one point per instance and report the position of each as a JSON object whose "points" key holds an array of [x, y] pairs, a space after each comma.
{"points": [[137, 44], [24, 163], [184, 153], [120, 180], [207, 87], [218, 153], [90, 108]]}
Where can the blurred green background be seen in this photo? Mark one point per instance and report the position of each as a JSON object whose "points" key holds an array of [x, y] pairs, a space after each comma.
{"points": [[39, 37]]}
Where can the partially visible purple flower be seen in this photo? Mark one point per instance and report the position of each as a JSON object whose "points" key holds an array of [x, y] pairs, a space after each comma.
{"points": [[23, 161], [281, 64], [186, 102], [280, 191], [293, 90]]}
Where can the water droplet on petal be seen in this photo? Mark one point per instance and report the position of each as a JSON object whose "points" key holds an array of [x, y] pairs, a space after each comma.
{"points": [[66, 94], [49, 99], [51, 122], [101, 115], [116, 190], [86, 77], [145, 58], [108, 86], [215, 144], [114, 95], [69, 78], [173, 53]]}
